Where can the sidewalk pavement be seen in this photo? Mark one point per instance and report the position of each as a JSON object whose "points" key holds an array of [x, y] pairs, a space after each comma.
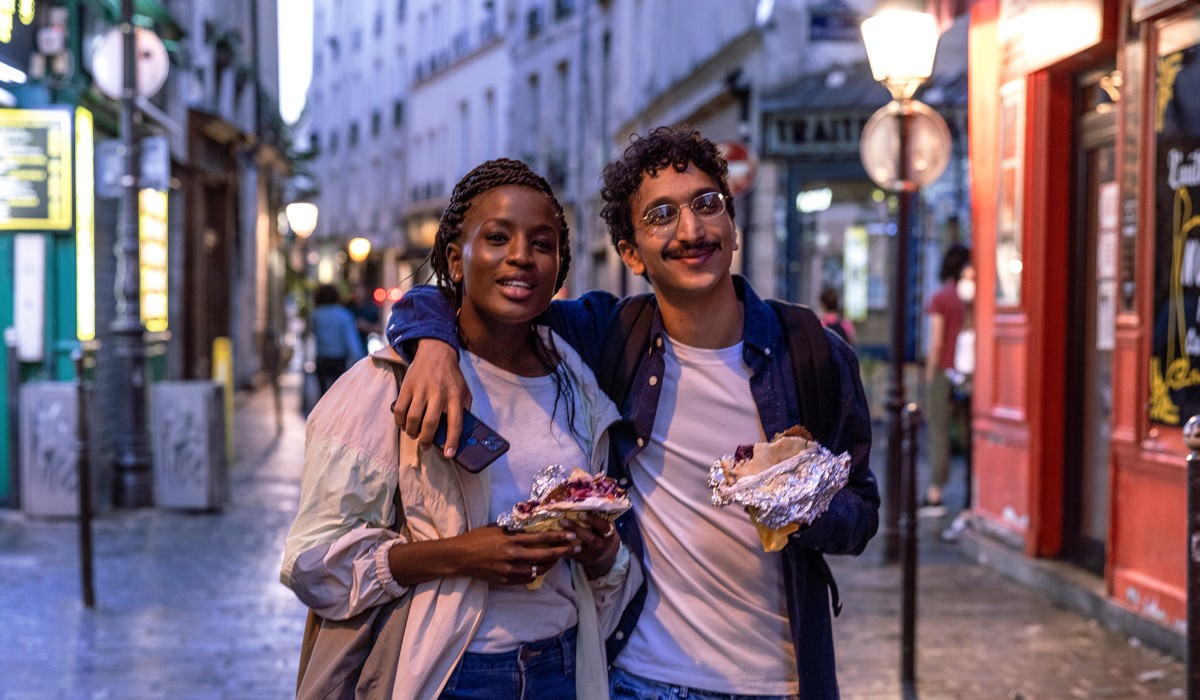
{"points": [[188, 605]]}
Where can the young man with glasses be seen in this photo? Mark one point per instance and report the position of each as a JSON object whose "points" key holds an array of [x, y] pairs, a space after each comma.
{"points": [[719, 617]]}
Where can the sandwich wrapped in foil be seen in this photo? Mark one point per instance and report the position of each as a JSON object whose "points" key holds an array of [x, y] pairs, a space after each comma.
{"points": [[784, 484], [557, 494]]}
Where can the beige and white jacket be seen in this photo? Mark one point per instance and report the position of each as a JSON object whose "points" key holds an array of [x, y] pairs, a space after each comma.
{"points": [[337, 548]]}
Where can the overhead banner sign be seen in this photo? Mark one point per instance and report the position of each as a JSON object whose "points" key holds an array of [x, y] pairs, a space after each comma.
{"points": [[35, 169]]}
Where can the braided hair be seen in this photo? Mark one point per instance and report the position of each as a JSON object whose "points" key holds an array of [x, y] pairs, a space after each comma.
{"points": [[502, 172], [488, 176], [665, 146]]}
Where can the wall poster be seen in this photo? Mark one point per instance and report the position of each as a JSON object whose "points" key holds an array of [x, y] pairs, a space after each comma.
{"points": [[1175, 349]]}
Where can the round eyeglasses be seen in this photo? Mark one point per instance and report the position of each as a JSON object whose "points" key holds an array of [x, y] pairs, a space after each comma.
{"points": [[707, 205]]}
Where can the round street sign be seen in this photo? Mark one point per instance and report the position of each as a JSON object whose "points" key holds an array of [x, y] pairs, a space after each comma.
{"points": [[108, 60], [928, 146], [742, 166]]}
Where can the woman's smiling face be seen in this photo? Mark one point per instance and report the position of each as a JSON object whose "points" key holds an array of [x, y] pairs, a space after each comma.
{"points": [[507, 256]]}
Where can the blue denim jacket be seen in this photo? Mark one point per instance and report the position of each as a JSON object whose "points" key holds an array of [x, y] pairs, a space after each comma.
{"points": [[853, 515]]}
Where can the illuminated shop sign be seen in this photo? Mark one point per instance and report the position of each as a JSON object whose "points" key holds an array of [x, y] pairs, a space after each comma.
{"points": [[35, 169], [152, 225], [16, 32], [85, 227]]}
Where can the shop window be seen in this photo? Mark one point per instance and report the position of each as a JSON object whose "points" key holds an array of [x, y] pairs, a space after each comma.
{"points": [[1009, 242], [1175, 152]]}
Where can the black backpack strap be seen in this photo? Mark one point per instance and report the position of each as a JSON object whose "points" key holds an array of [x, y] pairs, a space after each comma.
{"points": [[812, 367], [628, 338]]}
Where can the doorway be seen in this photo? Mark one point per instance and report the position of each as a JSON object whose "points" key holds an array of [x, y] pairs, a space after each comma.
{"points": [[1092, 299]]}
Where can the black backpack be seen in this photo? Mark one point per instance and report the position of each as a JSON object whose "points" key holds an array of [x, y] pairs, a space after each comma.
{"points": [[808, 348]]}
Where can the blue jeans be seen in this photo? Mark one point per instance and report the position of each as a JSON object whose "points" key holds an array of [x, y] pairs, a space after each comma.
{"points": [[626, 686], [541, 670]]}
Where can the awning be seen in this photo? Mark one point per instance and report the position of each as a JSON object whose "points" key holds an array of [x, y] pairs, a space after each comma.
{"points": [[844, 88], [149, 13]]}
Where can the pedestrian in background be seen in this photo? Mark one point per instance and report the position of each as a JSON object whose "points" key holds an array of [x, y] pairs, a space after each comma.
{"points": [[336, 335], [719, 616], [947, 314], [476, 624], [832, 318], [366, 313]]}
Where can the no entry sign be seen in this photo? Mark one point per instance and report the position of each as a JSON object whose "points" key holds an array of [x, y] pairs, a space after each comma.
{"points": [[742, 166]]}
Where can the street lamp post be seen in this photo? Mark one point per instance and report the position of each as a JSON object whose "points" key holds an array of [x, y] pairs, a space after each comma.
{"points": [[901, 47], [132, 459]]}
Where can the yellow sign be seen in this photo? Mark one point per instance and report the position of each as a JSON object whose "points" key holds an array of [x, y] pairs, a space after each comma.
{"points": [[152, 236], [35, 169], [12, 11], [85, 227]]}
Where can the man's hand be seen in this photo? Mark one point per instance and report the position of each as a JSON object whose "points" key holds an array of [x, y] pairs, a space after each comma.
{"points": [[433, 385]]}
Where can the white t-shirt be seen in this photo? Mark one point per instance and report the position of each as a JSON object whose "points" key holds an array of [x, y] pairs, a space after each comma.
{"points": [[520, 409], [715, 615]]}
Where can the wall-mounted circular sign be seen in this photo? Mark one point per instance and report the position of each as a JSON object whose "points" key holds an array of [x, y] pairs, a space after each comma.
{"points": [[928, 146], [742, 166], [108, 61]]}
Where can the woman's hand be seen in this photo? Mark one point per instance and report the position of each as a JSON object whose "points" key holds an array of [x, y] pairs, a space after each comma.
{"points": [[486, 553], [598, 543]]}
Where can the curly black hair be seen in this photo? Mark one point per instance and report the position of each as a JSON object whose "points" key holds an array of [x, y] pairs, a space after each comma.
{"points": [[673, 146], [488, 176]]}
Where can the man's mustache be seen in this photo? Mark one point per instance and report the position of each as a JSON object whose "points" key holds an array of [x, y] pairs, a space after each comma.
{"points": [[683, 249]]}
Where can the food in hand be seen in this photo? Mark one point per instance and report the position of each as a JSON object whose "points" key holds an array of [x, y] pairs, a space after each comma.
{"points": [[558, 495], [784, 484]]}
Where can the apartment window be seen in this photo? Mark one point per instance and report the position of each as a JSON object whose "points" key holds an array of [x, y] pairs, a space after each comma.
{"points": [[356, 39], [353, 134], [562, 74], [464, 137], [535, 105], [378, 29], [563, 9], [400, 7], [490, 127], [376, 122], [314, 143], [397, 113], [533, 23]]}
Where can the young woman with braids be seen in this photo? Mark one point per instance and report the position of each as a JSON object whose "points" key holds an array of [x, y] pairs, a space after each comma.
{"points": [[475, 628]]}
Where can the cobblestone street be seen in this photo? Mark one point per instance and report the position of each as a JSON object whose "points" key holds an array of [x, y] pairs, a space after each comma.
{"points": [[189, 606]]}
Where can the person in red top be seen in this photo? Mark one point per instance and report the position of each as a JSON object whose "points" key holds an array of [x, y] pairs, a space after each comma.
{"points": [[947, 312], [832, 318]]}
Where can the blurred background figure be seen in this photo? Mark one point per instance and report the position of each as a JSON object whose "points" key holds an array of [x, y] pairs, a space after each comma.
{"points": [[947, 316], [831, 316], [336, 334], [366, 315]]}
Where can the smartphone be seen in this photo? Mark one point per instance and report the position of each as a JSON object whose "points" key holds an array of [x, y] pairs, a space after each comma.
{"points": [[479, 445]]}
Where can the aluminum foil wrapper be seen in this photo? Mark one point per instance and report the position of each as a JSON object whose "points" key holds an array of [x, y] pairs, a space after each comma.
{"points": [[796, 490], [538, 519]]}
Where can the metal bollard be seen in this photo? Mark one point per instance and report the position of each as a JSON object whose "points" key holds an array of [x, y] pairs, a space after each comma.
{"points": [[87, 577], [908, 550], [12, 366], [1191, 437]]}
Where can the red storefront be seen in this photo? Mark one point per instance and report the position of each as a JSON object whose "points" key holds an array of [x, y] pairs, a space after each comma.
{"points": [[1085, 166]]}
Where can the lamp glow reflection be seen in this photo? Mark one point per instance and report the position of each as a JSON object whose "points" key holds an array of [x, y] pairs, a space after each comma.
{"points": [[303, 218], [900, 47]]}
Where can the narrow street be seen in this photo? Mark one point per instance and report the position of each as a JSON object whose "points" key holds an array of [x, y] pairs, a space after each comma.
{"points": [[189, 606]]}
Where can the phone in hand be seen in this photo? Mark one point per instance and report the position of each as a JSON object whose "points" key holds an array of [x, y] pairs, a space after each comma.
{"points": [[479, 445]]}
